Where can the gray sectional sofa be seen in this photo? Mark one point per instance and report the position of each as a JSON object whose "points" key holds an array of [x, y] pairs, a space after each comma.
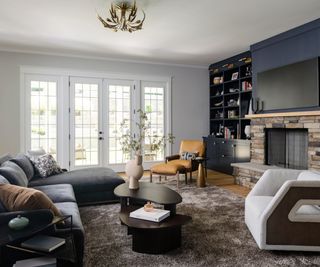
{"points": [[67, 190]]}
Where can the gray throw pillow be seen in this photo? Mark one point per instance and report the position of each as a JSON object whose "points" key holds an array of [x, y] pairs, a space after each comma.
{"points": [[14, 174], [25, 164], [5, 158], [46, 165]]}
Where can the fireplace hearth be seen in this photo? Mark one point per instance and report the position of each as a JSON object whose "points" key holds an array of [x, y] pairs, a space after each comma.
{"points": [[287, 148]]}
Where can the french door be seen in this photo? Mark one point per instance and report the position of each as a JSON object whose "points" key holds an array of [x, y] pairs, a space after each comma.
{"points": [[97, 109]]}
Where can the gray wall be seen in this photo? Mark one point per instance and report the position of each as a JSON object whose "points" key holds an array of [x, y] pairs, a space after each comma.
{"points": [[190, 96]]}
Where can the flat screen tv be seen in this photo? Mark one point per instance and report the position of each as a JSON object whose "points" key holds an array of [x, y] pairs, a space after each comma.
{"points": [[294, 86]]}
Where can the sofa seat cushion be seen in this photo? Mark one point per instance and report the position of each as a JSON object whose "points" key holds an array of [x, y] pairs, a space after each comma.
{"points": [[58, 193], [257, 204], [91, 185], [84, 180], [309, 176], [70, 208]]}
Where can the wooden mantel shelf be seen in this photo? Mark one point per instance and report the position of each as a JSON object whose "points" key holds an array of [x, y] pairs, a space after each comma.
{"points": [[284, 114]]}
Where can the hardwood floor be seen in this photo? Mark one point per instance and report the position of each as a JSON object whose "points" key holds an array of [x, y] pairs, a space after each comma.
{"points": [[223, 180]]}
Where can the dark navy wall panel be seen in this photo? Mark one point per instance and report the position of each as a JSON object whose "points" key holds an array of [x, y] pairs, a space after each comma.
{"points": [[295, 45]]}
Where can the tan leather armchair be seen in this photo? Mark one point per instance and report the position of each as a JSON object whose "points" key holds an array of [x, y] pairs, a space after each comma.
{"points": [[195, 146]]}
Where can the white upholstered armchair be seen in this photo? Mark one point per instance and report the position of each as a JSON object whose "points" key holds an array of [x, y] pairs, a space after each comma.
{"points": [[282, 210]]}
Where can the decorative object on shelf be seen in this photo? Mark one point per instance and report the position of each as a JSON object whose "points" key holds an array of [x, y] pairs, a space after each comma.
{"points": [[234, 76], [133, 144], [232, 103], [247, 131], [221, 79], [248, 71], [217, 93], [134, 171], [123, 17], [217, 80], [218, 104], [233, 90], [148, 207], [215, 70], [232, 114], [250, 109], [230, 66], [246, 86], [219, 115], [18, 223]]}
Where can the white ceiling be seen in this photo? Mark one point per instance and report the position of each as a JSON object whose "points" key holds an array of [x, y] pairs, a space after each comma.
{"points": [[175, 31]]}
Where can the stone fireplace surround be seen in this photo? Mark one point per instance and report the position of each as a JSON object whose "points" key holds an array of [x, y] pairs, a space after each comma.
{"points": [[247, 174]]}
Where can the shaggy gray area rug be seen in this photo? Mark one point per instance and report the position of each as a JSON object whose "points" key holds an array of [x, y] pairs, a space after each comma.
{"points": [[217, 236]]}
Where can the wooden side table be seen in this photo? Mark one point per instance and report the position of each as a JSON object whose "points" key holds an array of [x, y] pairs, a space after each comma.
{"points": [[201, 179]]}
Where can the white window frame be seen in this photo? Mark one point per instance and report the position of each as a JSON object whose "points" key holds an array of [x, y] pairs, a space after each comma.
{"points": [[25, 137], [63, 105]]}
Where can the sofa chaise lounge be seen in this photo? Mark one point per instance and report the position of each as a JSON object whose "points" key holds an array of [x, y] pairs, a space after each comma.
{"points": [[67, 191]]}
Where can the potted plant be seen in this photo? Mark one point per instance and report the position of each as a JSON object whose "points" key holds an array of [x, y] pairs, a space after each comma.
{"points": [[132, 144]]}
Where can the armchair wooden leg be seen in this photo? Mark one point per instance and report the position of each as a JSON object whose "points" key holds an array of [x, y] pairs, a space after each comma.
{"points": [[178, 182], [186, 177], [191, 176], [166, 178], [159, 178], [150, 176]]}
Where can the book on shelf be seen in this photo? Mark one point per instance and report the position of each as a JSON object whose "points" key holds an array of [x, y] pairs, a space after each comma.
{"points": [[43, 243], [37, 262], [156, 215], [246, 86]]}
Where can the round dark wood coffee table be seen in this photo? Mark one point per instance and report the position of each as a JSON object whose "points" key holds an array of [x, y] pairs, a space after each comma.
{"points": [[151, 237]]}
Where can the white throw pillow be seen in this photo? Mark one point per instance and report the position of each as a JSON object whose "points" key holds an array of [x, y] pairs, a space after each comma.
{"points": [[46, 165], [33, 155]]}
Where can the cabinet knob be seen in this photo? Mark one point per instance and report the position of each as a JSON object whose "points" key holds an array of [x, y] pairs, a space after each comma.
{"points": [[214, 143], [101, 138], [223, 142], [222, 156], [234, 145]]}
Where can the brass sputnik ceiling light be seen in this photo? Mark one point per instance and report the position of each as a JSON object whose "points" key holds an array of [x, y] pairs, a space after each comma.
{"points": [[123, 17]]}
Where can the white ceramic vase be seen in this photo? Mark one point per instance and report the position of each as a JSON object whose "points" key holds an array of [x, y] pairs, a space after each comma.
{"points": [[134, 171]]}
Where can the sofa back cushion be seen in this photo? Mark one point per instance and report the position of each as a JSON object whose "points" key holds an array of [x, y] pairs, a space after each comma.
{"points": [[5, 158], [14, 174], [3, 181], [17, 198], [309, 176], [25, 164]]}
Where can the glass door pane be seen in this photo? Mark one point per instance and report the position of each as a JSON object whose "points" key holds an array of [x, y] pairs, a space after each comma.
{"points": [[85, 147], [43, 120], [118, 112], [153, 105]]}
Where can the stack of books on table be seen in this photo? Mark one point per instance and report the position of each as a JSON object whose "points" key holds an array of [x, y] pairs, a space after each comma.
{"points": [[155, 215], [37, 262], [43, 243]]}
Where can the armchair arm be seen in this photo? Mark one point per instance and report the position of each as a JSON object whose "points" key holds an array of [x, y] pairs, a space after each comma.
{"points": [[42, 215], [173, 157], [271, 181], [282, 224]]}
